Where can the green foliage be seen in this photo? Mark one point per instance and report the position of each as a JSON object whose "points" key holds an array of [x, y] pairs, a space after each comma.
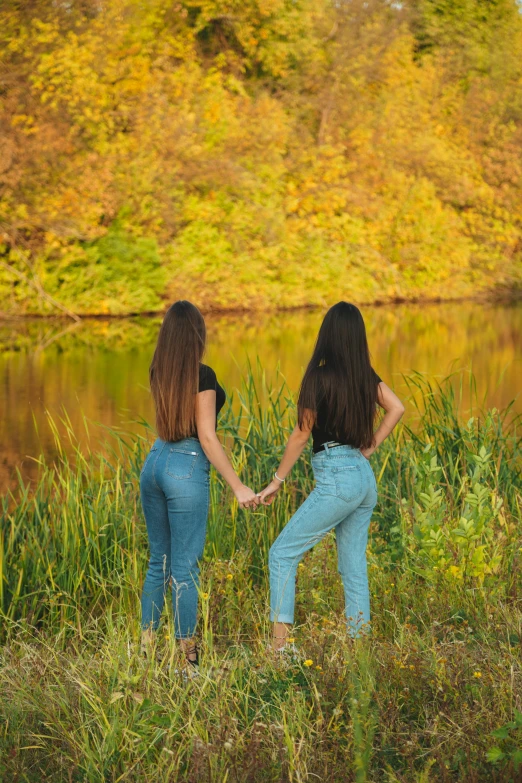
{"points": [[470, 548], [117, 274], [510, 736]]}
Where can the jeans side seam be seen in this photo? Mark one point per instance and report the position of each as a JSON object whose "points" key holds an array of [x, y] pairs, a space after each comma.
{"points": [[160, 452]]}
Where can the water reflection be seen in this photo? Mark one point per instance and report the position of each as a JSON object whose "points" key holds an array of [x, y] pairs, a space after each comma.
{"points": [[98, 369]]}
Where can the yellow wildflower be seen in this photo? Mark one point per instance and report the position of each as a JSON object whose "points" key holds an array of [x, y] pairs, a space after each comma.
{"points": [[308, 662]]}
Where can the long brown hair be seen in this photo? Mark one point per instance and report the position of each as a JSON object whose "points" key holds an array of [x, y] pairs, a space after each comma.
{"points": [[340, 377], [174, 371]]}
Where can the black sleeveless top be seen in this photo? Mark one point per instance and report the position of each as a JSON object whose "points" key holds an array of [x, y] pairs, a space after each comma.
{"points": [[320, 432], [208, 380]]}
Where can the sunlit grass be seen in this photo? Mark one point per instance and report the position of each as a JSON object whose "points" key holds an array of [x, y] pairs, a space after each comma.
{"points": [[415, 702]]}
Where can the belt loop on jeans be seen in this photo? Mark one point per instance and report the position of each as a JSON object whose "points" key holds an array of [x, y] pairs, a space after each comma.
{"points": [[327, 447]]}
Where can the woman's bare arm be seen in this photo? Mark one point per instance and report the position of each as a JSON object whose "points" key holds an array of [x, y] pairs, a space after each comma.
{"points": [[393, 408], [211, 445], [295, 444]]}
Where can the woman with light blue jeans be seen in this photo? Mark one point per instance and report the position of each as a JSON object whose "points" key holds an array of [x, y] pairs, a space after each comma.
{"points": [[337, 405], [174, 480]]}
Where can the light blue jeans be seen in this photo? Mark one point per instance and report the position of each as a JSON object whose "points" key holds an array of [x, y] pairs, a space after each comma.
{"points": [[343, 499], [174, 486]]}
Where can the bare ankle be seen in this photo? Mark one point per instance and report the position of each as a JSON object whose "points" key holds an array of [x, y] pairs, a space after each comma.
{"points": [[280, 635]]}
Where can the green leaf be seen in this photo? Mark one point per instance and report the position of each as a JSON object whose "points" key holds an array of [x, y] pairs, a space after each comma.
{"points": [[501, 733], [494, 755]]}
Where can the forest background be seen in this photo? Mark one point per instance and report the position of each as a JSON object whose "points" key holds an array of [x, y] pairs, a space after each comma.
{"points": [[255, 154]]}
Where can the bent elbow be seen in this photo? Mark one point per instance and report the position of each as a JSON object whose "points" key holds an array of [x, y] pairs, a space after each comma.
{"points": [[301, 436], [207, 439]]}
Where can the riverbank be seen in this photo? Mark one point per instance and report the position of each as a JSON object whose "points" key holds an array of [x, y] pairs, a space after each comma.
{"points": [[489, 298]]}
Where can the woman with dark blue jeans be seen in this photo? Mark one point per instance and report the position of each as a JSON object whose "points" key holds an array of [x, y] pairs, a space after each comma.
{"points": [[337, 406], [174, 480]]}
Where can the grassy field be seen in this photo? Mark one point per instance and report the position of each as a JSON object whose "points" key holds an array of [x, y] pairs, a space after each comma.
{"points": [[434, 694]]}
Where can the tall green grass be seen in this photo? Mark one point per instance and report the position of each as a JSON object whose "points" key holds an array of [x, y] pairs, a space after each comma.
{"points": [[417, 701]]}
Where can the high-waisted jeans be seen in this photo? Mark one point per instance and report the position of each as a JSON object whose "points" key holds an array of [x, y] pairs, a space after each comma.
{"points": [[174, 487], [343, 499]]}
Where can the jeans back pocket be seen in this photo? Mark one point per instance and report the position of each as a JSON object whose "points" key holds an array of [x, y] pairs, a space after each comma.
{"points": [[348, 482], [180, 463]]}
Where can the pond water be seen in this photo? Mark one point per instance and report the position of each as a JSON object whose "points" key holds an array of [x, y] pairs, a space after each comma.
{"points": [[98, 369]]}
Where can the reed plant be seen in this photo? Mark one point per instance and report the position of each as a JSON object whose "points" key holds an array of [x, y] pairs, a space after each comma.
{"points": [[418, 700]]}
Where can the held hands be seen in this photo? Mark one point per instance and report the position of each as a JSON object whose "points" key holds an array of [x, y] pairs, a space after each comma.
{"points": [[267, 496], [246, 497]]}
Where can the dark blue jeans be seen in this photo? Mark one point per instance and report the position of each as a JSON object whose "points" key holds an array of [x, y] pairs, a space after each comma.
{"points": [[174, 485]]}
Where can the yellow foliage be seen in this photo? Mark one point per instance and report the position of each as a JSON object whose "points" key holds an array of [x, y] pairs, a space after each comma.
{"points": [[283, 152]]}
